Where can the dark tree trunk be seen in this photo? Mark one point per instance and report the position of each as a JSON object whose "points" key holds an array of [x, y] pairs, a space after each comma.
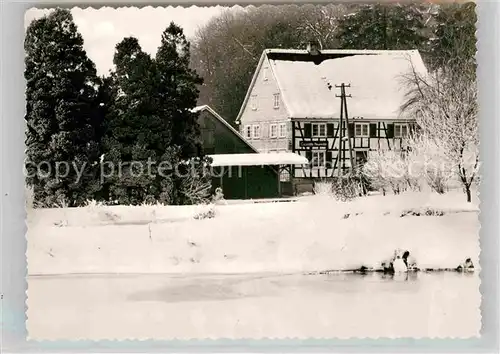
{"points": [[468, 193]]}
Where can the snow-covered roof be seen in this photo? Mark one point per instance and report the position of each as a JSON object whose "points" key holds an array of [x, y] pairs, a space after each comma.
{"points": [[223, 121], [260, 159], [376, 79]]}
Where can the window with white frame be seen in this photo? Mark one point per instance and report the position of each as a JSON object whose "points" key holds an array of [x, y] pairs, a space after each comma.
{"points": [[248, 131], [273, 130], [318, 159], [276, 100], [264, 73], [318, 130], [253, 102], [400, 130], [256, 131], [362, 130], [282, 131]]}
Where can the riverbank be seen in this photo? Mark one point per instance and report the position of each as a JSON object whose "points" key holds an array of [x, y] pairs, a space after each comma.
{"points": [[311, 234]]}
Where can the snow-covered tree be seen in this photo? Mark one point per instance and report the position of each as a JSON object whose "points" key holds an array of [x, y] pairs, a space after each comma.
{"points": [[389, 170], [428, 162], [134, 128], [446, 109], [61, 115], [177, 90], [151, 127]]}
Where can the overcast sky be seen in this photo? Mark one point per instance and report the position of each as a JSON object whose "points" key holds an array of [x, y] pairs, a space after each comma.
{"points": [[103, 28]]}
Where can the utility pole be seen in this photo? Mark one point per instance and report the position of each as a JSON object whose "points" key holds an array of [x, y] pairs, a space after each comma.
{"points": [[344, 121]]}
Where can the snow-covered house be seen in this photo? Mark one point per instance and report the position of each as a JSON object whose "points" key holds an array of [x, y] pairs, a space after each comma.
{"points": [[293, 105], [218, 136], [238, 168]]}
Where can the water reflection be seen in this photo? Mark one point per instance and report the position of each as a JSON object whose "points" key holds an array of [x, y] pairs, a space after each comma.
{"points": [[235, 287], [410, 276]]}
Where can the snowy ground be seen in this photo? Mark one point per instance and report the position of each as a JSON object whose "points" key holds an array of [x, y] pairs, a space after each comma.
{"points": [[307, 235], [238, 275]]}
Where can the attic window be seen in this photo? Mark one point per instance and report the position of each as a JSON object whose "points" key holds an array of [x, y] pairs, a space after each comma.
{"points": [[253, 102], [264, 74], [276, 100]]}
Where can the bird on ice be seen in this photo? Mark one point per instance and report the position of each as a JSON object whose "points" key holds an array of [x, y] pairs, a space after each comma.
{"points": [[399, 266]]}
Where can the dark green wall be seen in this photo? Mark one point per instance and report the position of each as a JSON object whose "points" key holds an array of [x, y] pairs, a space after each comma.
{"points": [[218, 138], [247, 182]]}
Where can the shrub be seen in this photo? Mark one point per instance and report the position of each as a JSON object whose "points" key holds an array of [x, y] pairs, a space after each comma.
{"points": [[341, 188], [422, 212], [195, 187], [346, 188], [388, 170], [323, 188], [206, 213], [428, 161]]}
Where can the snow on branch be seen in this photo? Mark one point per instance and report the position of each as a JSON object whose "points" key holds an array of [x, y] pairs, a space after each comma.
{"points": [[389, 170], [444, 104]]}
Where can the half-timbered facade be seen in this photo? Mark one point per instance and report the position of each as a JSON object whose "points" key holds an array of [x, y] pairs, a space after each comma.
{"points": [[298, 99], [321, 142]]}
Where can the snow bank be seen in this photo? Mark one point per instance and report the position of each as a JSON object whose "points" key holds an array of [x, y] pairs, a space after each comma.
{"points": [[315, 233]]}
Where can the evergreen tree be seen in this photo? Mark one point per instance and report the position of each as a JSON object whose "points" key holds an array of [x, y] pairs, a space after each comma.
{"points": [[178, 91], [61, 90], [134, 132], [454, 36], [383, 27], [106, 96], [177, 96], [151, 128]]}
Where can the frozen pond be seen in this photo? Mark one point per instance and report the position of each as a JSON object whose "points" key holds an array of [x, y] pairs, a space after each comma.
{"points": [[265, 305]]}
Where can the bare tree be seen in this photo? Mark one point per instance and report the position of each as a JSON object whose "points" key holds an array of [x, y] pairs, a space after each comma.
{"points": [[321, 22], [226, 51], [445, 106]]}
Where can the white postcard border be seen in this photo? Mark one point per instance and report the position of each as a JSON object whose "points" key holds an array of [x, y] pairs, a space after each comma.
{"points": [[13, 227]]}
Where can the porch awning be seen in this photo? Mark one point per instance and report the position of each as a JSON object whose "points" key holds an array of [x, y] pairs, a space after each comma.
{"points": [[258, 159]]}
